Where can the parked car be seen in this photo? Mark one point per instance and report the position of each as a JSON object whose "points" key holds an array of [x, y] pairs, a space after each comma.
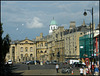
{"points": [[66, 62], [47, 62], [27, 62], [37, 61], [54, 62], [23, 62], [10, 62], [77, 64], [66, 70], [31, 62]]}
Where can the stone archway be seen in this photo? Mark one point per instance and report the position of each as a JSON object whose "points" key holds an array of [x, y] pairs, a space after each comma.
{"points": [[26, 57]]}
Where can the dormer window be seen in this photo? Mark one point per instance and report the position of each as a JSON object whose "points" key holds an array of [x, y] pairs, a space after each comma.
{"points": [[26, 41], [26, 49]]}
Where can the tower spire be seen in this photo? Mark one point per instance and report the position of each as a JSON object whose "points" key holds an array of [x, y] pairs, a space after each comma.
{"points": [[53, 18]]}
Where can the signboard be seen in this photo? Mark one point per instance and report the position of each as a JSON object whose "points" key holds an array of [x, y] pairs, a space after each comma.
{"points": [[81, 46]]}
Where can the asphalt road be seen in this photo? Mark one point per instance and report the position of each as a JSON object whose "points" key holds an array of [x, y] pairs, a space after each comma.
{"points": [[23, 69], [31, 67]]}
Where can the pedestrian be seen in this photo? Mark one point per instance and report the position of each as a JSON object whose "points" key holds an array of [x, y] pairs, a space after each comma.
{"points": [[57, 68], [87, 71], [89, 68], [84, 71], [92, 68], [81, 71], [96, 70]]}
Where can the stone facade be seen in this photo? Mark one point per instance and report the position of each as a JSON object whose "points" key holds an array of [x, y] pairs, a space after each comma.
{"points": [[56, 44], [72, 45], [22, 50], [43, 48]]}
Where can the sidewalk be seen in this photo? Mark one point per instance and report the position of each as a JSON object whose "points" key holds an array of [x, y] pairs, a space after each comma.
{"points": [[44, 72]]}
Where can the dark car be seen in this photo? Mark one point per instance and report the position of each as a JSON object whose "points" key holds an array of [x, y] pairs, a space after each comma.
{"points": [[27, 62], [31, 62], [37, 61], [66, 70], [54, 62], [47, 62]]}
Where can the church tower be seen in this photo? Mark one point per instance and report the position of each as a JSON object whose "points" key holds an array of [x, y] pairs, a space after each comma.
{"points": [[53, 26]]}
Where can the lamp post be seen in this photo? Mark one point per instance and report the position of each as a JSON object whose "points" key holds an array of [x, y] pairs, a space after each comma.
{"points": [[85, 13]]}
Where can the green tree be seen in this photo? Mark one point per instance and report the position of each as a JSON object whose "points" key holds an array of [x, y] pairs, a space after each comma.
{"points": [[4, 45]]}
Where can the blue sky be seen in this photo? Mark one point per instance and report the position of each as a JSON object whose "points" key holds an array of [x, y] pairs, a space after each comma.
{"points": [[30, 18]]}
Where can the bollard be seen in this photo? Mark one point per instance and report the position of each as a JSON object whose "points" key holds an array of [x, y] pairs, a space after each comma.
{"points": [[72, 72], [28, 67], [35, 63]]}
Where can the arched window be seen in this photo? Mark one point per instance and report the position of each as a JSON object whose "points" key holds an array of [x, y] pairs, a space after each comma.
{"points": [[21, 55], [31, 49], [31, 55], [41, 51], [21, 49], [26, 42], [45, 51], [26, 49]]}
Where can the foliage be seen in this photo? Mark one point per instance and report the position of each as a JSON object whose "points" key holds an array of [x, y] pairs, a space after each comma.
{"points": [[4, 45]]}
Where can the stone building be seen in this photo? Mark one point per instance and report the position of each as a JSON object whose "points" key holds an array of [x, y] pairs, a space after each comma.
{"points": [[60, 44], [41, 48], [72, 45], [22, 50], [56, 44], [72, 35]]}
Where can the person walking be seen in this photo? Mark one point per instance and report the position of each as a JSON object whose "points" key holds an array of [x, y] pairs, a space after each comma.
{"points": [[96, 70], [81, 71], [89, 68], [84, 71], [57, 68]]}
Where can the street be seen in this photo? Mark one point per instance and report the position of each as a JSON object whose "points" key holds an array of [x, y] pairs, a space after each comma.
{"points": [[23, 69]]}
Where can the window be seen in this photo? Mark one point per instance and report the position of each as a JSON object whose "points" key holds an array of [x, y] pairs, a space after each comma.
{"points": [[31, 49], [38, 45], [13, 50], [31, 55], [56, 35], [21, 49], [54, 27], [45, 51], [26, 49], [41, 44], [51, 28], [8, 57], [21, 55], [80, 33], [61, 34], [45, 44], [21, 44], [41, 51], [26, 42]]}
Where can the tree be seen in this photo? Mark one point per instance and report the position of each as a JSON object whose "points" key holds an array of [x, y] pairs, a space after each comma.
{"points": [[1, 31], [4, 45]]}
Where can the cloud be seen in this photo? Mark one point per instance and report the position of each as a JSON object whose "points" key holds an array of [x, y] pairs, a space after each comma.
{"points": [[34, 23]]}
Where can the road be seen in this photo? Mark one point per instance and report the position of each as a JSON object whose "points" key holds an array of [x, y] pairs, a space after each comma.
{"points": [[23, 69], [32, 67]]}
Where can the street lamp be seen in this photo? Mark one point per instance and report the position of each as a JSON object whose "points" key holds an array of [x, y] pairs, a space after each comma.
{"points": [[85, 13]]}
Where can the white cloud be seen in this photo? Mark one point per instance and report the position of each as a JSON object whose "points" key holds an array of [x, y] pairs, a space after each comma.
{"points": [[34, 23]]}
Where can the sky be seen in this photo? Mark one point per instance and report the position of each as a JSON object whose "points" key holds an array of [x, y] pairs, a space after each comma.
{"points": [[23, 19]]}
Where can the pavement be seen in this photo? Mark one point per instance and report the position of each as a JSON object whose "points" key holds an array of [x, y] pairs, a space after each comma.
{"points": [[44, 72]]}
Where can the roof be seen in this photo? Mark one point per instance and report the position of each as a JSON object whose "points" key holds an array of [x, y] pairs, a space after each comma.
{"points": [[53, 22], [97, 36]]}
